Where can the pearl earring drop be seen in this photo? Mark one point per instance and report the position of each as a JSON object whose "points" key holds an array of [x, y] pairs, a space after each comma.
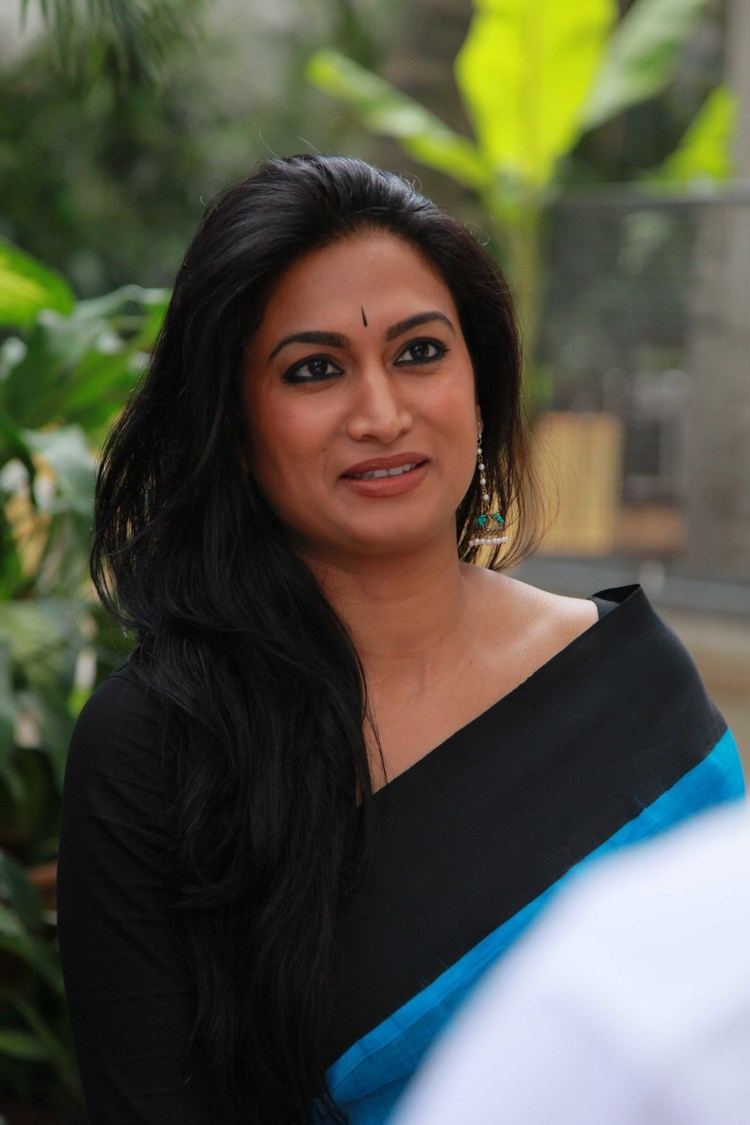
{"points": [[484, 517]]}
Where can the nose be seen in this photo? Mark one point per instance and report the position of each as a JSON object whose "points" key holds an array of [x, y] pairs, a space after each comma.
{"points": [[378, 410]]}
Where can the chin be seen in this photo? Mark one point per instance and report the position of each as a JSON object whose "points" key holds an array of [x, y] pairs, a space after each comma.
{"points": [[395, 539]]}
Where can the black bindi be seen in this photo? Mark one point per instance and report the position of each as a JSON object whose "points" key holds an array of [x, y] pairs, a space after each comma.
{"points": [[364, 318]]}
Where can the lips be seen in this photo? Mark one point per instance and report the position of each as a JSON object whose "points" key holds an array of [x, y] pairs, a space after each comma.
{"points": [[382, 484], [393, 462]]}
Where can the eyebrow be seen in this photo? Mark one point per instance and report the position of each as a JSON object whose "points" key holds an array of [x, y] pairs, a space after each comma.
{"points": [[336, 340]]}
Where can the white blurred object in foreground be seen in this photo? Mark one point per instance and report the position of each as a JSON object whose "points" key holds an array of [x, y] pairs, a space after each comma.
{"points": [[628, 1004]]}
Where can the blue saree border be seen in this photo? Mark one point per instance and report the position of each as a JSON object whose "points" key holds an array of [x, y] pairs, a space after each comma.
{"points": [[392, 1051]]}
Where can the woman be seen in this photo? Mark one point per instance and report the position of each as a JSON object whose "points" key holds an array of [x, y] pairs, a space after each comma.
{"points": [[343, 765]]}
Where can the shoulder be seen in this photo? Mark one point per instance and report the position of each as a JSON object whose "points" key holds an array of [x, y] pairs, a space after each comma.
{"points": [[643, 647], [521, 627], [119, 707], [569, 615], [543, 612], [117, 735]]}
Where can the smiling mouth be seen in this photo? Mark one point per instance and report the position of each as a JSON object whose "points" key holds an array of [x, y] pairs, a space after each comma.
{"points": [[374, 474]]}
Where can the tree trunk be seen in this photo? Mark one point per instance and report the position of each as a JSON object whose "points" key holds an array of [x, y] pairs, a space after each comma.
{"points": [[718, 503]]}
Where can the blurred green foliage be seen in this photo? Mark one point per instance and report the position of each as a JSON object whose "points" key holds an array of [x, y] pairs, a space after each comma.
{"points": [[130, 39], [106, 163], [62, 377]]}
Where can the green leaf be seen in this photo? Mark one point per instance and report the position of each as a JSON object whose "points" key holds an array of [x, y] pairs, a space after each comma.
{"points": [[117, 302], [11, 571], [57, 1050], [12, 351], [66, 452], [384, 109], [12, 446], [524, 73], [21, 1045], [17, 892], [153, 319], [705, 151], [642, 56], [38, 955], [44, 637], [80, 368], [53, 712], [14, 786], [27, 287], [35, 393], [130, 37], [8, 709], [10, 923]]}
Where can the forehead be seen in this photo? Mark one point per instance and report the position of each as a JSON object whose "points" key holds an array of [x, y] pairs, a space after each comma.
{"points": [[376, 270]]}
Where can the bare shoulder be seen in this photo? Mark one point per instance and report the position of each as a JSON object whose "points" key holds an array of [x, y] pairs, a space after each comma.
{"points": [[551, 614], [520, 627]]}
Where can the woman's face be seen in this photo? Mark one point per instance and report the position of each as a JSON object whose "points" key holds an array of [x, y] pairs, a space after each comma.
{"points": [[364, 385]]}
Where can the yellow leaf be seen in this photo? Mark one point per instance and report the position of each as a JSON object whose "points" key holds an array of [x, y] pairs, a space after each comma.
{"points": [[524, 72]]}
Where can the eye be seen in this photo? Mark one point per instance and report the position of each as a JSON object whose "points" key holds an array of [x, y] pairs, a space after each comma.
{"points": [[317, 366], [420, 354]]}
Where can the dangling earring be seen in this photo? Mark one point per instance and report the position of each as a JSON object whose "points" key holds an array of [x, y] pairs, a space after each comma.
{"points": [[484, 517]]}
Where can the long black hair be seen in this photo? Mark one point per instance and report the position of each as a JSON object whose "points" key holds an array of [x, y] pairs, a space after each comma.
{"points": [[263, 693]]}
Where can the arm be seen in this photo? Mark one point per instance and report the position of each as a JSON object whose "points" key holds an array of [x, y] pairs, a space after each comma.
{"points": [[125, 975]]}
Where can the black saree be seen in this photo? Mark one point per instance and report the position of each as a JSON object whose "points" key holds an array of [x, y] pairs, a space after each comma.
{"points": [[610, 742]]}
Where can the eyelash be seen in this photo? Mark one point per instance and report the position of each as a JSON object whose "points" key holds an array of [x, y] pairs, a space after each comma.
{"points": [[290, 376]]}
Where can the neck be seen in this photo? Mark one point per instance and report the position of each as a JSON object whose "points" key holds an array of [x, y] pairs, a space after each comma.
{"points": [[408, 615]]}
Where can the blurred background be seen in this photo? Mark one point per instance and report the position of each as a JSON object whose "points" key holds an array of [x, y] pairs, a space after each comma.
{"points": [[600, 149]]}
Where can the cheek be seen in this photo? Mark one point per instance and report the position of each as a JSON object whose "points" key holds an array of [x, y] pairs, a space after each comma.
{"points": [[453, 413], [286, 438], [302, 432], [450, 404]]}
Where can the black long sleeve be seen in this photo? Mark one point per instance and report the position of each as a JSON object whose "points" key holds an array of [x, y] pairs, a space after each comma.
{"points": [[123, 965]]}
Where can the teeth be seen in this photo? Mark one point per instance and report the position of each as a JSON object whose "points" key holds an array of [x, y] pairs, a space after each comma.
{"points": [[374, 473]]}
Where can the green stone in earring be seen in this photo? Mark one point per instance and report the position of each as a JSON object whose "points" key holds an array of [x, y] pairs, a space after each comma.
{"points": [[496, 516], [481, 520]]}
